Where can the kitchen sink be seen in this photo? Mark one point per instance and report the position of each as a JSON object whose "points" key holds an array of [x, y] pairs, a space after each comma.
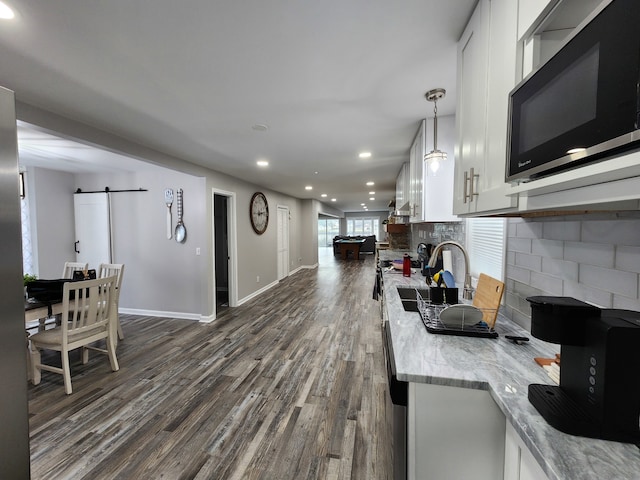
{"points": [[408, 297], [436, 294]]}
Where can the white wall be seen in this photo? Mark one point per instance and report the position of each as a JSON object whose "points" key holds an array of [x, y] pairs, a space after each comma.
{"points": [[163, 276], [594, 258]]}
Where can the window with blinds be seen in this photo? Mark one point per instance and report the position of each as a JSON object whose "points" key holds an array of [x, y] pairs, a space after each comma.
{"points": [[485, 244]]}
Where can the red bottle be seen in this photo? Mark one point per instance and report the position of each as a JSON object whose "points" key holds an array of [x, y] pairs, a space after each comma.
{"points": [[406, 266]]}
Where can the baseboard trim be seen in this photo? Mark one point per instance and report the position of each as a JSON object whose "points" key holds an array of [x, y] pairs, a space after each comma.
{"points": [[205, 318]]}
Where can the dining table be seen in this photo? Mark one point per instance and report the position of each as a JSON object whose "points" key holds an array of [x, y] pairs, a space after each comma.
{"points": [[37, 310]]}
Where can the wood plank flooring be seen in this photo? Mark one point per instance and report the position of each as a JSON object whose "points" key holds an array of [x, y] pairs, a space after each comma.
{"points": [[288, 386]]}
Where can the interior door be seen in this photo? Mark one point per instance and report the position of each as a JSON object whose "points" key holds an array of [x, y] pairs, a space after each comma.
{"points": [[93, 228], [283, 242]]}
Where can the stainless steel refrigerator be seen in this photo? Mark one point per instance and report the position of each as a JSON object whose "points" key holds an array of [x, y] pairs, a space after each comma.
{"points": [[14, 422]]}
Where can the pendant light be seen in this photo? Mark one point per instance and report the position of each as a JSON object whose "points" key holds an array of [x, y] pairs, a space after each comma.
{"points": [[435, 156]]}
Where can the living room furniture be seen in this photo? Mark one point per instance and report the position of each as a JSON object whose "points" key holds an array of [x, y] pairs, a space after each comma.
{"points": [[351, 245], [369, 245]]}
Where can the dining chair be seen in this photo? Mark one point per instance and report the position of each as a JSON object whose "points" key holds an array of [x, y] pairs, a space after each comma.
{"points": [[70, 267], [106, 270], [87, 314]]}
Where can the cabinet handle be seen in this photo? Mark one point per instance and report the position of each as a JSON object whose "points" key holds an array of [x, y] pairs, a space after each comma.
{"points": [[464, 190], [469, 178], [472, 177]]}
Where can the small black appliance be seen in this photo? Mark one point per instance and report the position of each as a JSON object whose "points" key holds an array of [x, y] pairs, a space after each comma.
{"points": [[599, 391]]}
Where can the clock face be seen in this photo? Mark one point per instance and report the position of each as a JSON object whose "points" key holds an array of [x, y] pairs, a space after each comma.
{"points": [[259, 212]]}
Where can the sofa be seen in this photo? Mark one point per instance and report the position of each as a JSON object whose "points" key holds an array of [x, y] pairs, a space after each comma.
{"points": [[369, 246]]}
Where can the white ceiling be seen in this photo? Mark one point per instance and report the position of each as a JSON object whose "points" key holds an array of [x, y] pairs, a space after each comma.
{"points": [[330, 78]]}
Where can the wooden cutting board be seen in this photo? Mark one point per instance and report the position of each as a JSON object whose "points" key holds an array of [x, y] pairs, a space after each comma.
{"points": [[487, 297]]}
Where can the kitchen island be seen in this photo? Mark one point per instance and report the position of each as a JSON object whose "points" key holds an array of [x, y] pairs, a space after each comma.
{"points": [[502, 370]]}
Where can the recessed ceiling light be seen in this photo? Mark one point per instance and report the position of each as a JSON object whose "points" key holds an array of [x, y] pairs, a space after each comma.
{"points": [[308, 187], [333, 199], [6, 13], [362, 204], [576, 150], [262, 163], [371, 198], [372, 193], [370, 184], [364, 154], [315, 173], [324, 195]]}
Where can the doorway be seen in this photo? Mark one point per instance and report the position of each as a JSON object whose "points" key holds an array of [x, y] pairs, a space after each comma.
{"points": [[283, 242], [221, 251]]}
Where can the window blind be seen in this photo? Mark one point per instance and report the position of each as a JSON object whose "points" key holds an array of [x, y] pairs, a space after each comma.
{"points": [[485, 242]]}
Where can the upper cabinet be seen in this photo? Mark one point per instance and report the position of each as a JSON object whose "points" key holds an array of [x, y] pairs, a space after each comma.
{"points": [[430, 190], [416, 155], [437, 184], [402, 186], [612, 183], [545, 25], [486, 75]]}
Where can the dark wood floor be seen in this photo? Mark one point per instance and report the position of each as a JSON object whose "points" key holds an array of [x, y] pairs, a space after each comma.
{"points": [[288, 386]]}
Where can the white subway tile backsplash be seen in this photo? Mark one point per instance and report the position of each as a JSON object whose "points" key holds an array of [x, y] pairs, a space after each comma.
{"points": [[628, 259], [531, 262], [594, 296], [519, 274], [625, 303], [548, 248], [591, 257], [547, 283], [590, 253], [561, 231], [560, 268], [614, 232], [614, 281], [529, 229], [519, 245]]}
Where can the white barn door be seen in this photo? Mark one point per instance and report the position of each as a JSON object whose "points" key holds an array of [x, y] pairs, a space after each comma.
{"points": [[93, 228], [283, 242]]}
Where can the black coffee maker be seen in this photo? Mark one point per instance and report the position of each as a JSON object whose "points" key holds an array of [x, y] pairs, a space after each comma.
{"points": [[599, 391]]}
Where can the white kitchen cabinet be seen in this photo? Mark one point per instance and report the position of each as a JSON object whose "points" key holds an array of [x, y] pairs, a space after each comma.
{"points": [[402, 186], [612, 183], [545, 25], [437, 187], [519, 463], [453, 433], [416, 156], [486, 75]]}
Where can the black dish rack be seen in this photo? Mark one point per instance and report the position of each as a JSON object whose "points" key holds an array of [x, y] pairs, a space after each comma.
{"points": [[430, 315]]}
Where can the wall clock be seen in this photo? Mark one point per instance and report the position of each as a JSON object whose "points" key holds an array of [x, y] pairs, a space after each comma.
{"points": [[259, 212]]}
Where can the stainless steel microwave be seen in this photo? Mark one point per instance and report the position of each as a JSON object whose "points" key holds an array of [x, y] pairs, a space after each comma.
{"points": [[583, 105]]}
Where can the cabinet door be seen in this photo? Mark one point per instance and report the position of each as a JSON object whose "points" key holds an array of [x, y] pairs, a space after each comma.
{"points": [[486, 75], [503, 41], [402, 191], [471, 101], [415, 168], [437, 186]]}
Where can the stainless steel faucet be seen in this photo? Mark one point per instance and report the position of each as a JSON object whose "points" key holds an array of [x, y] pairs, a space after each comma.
{"points": [[467, 291]]}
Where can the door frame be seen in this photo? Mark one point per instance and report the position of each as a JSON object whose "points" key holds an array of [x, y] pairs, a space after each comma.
{"points": [[287, 272], [232, 240]]}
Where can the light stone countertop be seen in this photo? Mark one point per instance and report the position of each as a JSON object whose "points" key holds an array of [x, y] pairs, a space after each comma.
{"points": [[505, 370]]}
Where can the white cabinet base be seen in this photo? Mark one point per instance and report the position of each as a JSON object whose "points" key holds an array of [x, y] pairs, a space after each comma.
{"points": [[453, 433], [519, 463]]}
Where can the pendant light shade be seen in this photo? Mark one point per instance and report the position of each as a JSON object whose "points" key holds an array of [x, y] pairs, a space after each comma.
{"points": [[435, 156]]}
